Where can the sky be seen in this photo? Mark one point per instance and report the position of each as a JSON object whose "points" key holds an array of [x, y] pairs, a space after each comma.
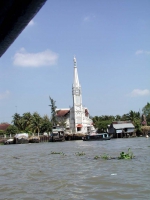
{"points": [[111, 42]]}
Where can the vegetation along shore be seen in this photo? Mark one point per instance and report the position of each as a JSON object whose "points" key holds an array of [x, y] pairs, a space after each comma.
{"points": [[34, 124]]}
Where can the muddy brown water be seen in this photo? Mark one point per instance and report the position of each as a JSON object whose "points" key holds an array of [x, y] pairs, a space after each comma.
{"points": [[30, 171]]}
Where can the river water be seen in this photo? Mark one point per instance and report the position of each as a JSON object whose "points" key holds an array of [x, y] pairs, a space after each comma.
{"points": [[30, 171]]}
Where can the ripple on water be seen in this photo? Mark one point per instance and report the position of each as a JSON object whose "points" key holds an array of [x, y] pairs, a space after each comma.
{"points": [[32, 172]]}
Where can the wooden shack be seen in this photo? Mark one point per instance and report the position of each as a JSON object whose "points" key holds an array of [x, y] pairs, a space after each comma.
{"points": [[120, 129]]}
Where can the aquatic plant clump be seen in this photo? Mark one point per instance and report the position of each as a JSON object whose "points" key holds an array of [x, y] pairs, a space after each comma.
{"points": [[124, 155], [52, 152], [105, 156], [80, 153], [96, 157]]}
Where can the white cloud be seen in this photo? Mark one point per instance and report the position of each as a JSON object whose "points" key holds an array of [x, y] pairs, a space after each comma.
{"points": [[142, 52], [138, 92], [88, 18], [139, 52], [4, 95], [31, 23], [24, 59]]}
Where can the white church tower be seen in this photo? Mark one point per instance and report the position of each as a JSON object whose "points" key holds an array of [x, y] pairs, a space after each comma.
{"points": [[77, 100], [77, 118], [79, 115]]}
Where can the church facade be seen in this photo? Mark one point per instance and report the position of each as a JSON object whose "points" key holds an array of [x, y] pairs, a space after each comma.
{"points": [[76, 119]]}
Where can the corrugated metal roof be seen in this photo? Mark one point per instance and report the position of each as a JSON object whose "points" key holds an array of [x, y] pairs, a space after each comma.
{"points": [[122, 126]]}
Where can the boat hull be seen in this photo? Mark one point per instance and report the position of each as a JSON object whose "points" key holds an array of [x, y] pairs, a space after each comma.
{"points": [[96, 137], [52, 139], [9, 142], [34, 139], [21, 141]]}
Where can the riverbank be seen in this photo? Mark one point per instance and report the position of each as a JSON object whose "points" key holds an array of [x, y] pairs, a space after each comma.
{"points": [[68, 137]]}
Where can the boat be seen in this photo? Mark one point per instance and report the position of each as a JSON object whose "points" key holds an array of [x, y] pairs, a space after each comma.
{"points": [[34, 139], [9, 141], [21, 138], [57, 135], [96, 136]]}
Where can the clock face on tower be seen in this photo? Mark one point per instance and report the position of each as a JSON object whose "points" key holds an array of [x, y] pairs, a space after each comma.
{"points": [[76, 91]]}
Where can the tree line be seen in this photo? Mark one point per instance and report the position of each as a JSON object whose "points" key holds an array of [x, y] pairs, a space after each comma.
{"points": [[29, 123], [102, 122], [34, 123]]}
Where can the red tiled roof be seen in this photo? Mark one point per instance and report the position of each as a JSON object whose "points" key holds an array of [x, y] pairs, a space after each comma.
{"points": [[61, 113], [4, 126]]}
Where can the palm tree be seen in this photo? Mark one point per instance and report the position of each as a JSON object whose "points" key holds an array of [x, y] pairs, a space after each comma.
{"points": [[17, 121], [26, 120], [133, 116], [36, 122], [118, 118]]}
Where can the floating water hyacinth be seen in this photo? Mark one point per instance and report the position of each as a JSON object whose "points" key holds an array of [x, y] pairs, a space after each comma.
{"points": [[80, 153], [105, 156], [52, 152], [124, 155], [96, 157]]}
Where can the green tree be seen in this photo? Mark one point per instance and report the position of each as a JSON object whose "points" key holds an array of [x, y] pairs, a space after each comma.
{"points": [[36, 122], [137, 125], [17, 121], [117, 118], [46, 125], [124, 117], [2, 132], [26, 121], [53, 112], [101, 122], [133, 116], [146, 112], [103, 125], [96, 119], [12, 129], [146, 109], [148, 119]]}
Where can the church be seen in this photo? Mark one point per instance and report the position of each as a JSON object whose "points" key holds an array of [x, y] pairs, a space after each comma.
{"points": [[76, 119]]}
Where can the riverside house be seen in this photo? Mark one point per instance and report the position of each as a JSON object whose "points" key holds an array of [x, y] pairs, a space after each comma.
{"points": [[120, 129]]}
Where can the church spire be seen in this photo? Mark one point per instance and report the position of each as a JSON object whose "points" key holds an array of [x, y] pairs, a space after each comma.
{"points": [[76, 79]]}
